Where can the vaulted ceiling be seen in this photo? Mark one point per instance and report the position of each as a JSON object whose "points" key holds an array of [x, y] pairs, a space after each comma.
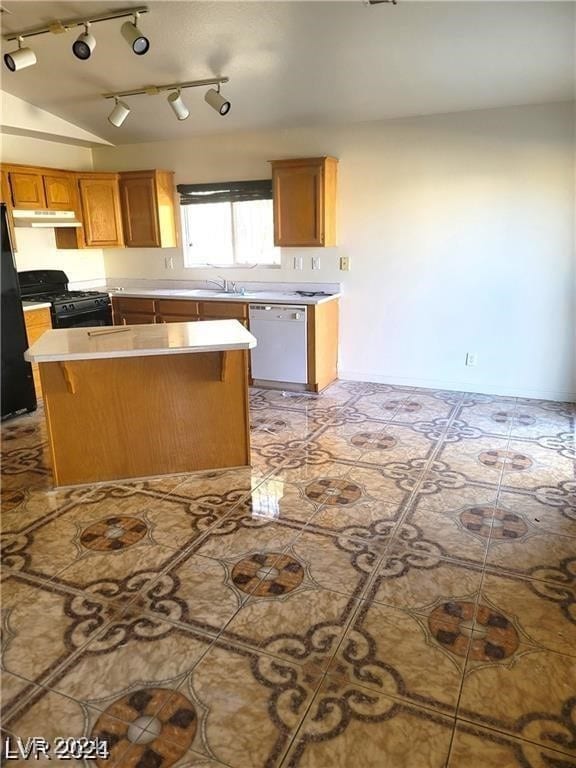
{"points": [[298, 63]]}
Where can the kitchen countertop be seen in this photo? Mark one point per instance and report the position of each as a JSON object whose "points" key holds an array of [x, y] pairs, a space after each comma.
{"points": [[274, 297], [140, 341], [28, 305]]}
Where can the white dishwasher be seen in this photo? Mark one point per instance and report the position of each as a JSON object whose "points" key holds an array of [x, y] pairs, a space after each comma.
{"points": [[281, 353]]}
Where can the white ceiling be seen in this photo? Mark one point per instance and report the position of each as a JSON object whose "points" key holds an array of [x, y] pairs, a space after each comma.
{"points": [[298, 63]]}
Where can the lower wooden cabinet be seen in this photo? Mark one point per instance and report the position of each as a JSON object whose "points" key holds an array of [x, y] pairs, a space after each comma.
{"points": [[37, 321], [322, 326], [133, 311]]}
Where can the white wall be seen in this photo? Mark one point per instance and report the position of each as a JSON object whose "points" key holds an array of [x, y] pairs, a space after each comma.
{"points": [[460, 230], [36, 249]]}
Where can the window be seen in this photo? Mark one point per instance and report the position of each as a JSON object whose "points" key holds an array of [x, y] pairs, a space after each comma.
{"points": [[228, 224]]}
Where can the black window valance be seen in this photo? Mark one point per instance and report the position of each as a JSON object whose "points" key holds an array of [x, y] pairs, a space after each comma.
{"points": [[225, 192]]}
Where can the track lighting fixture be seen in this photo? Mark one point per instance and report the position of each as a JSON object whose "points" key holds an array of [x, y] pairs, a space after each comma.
{"points": [[119, 113], [20, 59], [212, 97], [217, 101], [135, 39], [180, 109], [84, 44]]}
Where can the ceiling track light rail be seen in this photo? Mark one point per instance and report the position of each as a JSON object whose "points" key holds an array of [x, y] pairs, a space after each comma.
{"points": [[85, 43], [64, 26], [213, 97]]}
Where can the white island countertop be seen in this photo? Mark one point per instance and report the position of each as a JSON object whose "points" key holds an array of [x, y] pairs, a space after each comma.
{"points": [[111, 341], [27, 306]]}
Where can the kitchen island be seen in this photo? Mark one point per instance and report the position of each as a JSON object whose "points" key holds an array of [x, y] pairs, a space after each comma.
{"points": [[145, 400]]}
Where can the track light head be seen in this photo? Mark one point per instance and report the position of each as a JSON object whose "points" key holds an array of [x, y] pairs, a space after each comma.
{"points": [[135, 39], [20, 59], [119, 113], [179, 108], [84, 44], [217, 101]]}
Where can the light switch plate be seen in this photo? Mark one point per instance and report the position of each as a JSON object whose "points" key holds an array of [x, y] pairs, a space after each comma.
{"points": [[345, 263], [315, 262], [298, 262]]}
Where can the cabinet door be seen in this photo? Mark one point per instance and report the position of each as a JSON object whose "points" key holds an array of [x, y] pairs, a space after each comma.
{"points": [[59, 192], [298, 205], [6, 197], [101, 212], [27, 190], [139, 212]]}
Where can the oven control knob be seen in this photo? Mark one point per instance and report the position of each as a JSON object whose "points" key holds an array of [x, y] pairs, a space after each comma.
{"points": [[65, 307], [71, 306]]}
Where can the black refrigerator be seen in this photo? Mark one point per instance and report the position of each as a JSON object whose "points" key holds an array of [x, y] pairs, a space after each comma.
{"points": [[18, 392]]}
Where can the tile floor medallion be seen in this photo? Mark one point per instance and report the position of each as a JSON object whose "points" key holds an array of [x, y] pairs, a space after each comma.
{"points": [[392, 583]]}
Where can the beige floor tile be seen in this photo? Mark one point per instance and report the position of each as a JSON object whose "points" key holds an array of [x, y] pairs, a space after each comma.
{"points": [[289, 617], [544, 611], [396, 652], [484, 748], [365, 519], [241, 535], [402, 584], [494, 417], [390, 483], [57, 719], [482, 459], [305, 466], [44, 626], [526, 694], [531, 466], [553, 512], [130, 653], [248, 705], [339, 564], [461, 535], [539, 555], [197, 591], [348, 726]]}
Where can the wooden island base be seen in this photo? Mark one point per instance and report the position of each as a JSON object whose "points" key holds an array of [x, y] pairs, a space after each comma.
{"points": [[127, 417]]}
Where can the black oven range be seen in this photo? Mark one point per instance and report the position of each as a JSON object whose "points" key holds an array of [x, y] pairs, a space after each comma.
{"points": [[69, 308]]}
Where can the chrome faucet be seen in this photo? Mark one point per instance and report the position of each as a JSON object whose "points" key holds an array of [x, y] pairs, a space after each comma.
{"points": [[228, 286]]}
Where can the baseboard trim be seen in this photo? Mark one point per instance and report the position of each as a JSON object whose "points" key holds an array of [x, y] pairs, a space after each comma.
{"points": [[460, 386]]}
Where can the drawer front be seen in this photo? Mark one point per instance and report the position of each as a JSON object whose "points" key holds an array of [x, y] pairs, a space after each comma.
{"points": [[224, 309], [181, 307], [38, 318], [141, 306], [135, 318]]}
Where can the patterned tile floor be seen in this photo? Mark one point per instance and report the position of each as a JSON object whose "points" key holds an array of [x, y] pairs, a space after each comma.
{"points": [[393, 583]]}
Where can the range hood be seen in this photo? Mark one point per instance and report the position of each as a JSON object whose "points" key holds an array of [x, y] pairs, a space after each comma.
{"points": [[24, 218]]}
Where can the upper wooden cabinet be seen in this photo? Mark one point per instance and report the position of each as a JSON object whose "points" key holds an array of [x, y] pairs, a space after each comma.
{"points": [[100, 201], [59, 191], [27, 189], [305, 201], [148, 209]]}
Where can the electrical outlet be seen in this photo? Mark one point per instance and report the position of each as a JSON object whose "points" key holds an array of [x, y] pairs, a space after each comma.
{"points": [[344, 263], [315, 262], [168, 262], [298, 262], [471, 358]]}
